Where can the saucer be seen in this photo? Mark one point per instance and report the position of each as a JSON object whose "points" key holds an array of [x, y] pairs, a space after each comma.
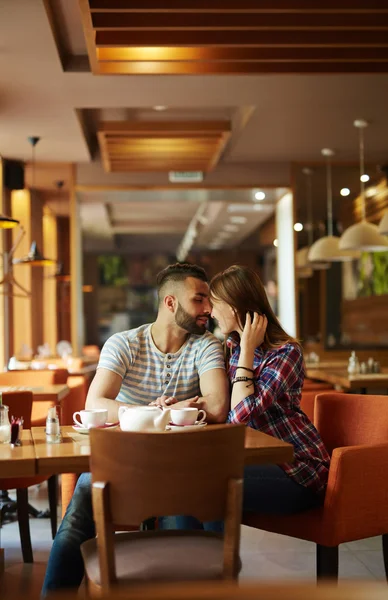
{"points": [[185, 427], [85, 430]]}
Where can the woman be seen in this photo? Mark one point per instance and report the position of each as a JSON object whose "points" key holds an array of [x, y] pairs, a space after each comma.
{"points": [[266, 371]]}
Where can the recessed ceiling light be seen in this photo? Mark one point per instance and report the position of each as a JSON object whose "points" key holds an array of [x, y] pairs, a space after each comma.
{"points": [[259, 196], [364, 178], [224, 235], [345, 192], [298, 226], [275, 243], [239, 220], [258, 207], [160, 107], [230, 227]]}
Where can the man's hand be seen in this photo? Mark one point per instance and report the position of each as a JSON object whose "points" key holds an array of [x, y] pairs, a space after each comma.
{"points": [[167, 401]]}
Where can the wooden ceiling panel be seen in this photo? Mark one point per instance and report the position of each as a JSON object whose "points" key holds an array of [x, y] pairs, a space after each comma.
{"points": [[175, 37], [162, 146]]}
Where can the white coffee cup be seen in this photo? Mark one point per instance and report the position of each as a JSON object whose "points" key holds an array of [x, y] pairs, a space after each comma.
{"points": [[91, 417], [187, 416]]}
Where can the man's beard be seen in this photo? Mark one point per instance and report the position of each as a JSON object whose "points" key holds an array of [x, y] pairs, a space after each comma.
{"points": [[189, 323]]}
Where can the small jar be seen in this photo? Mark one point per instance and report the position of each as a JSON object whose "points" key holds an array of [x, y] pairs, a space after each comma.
{"points": [[5, 425]]}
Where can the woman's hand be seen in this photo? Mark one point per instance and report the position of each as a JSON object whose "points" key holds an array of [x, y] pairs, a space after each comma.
{"points": [[254, 332]]}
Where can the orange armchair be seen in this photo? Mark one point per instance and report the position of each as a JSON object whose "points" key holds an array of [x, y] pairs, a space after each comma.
{"points": [[355, 430], [20, 405]]}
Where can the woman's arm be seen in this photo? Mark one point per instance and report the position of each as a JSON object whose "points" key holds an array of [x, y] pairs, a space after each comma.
{"points": [[251, 338], [279, 374]]}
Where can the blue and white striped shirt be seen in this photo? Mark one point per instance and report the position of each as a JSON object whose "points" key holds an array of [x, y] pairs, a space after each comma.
{"points": [[148, 373]]}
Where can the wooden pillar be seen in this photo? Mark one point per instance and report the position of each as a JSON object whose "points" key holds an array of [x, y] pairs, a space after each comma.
{"points": [[49, 281], [22, 330], [76, 300]]}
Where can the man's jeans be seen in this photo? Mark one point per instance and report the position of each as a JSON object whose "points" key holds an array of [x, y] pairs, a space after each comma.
{"points": [[267, 489]]}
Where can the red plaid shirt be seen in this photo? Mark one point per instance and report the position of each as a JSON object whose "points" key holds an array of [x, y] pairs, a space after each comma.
{"points": [[274, 408]]}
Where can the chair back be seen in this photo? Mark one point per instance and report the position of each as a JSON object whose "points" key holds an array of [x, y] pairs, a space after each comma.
{"points": [[307, 403], [310, 386], [20, 405], [351, 419], [156, 474]]}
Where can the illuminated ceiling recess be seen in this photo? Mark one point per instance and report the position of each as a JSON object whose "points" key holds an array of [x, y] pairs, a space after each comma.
{"points": [[161, 145], [144, 37]]}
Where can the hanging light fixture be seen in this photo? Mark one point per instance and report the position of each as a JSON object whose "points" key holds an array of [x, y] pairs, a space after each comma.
{"points": [[34, 258], [303, 265], [326, 249], [8, 222], [363, 236]]}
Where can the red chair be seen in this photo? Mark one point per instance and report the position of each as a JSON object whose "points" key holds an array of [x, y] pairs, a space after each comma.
{"points": [[354, 429], [20, 405]]}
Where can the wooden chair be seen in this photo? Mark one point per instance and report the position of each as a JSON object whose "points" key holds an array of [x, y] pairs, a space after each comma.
{"points": [[140, 475], [20, 405], [354, 429], [319, 386]]}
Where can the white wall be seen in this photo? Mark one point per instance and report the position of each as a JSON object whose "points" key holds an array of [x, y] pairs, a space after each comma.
{"points": [[285, 263]]}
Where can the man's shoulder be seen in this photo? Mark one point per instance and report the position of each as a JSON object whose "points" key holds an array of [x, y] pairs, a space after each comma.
{"points": [[205, 340], [129, 336]]}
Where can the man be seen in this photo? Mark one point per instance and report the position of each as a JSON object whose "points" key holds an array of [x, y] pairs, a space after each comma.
{"points": [[173, 360]]}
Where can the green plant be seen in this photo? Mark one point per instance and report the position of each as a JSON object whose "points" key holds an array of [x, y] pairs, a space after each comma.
{"points": [[373, 274], [112, 270]]}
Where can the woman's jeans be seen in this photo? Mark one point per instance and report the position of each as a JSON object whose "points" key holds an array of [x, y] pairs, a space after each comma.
{"points": [[267, 489]]}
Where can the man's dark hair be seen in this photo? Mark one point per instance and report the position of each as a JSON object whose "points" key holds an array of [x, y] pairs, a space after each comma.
{"points": [[179, 272]]}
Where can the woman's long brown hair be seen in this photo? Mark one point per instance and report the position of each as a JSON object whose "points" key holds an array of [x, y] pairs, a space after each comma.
{"points": [[242, 289]]}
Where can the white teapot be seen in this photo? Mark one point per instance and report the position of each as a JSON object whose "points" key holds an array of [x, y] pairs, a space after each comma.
{"points": [[143, 418]]}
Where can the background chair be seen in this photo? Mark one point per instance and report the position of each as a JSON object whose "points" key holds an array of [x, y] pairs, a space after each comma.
{"points": [[20, 405], [311, 385], [354, 429], [140, 475]]}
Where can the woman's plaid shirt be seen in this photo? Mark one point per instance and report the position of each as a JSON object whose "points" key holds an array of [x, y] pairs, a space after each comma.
{"points": [[274, 408]]}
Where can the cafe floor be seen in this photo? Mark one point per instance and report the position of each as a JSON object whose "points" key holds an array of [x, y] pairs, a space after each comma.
{"points": [[264, 556]]}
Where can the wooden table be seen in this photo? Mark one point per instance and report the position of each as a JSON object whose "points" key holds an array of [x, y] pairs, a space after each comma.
{"points": [[52, 393], [72, 455], [341, 378], [19, 461]]}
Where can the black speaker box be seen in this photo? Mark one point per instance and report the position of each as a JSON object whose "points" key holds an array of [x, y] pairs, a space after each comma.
{"points": [[13, 175]]}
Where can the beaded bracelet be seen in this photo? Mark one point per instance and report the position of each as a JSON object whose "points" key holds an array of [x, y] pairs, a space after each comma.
{"points": [[246, 369], [237, 379]]}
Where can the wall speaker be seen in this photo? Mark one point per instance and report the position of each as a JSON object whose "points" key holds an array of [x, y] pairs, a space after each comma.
{"points": [[13, 175]]}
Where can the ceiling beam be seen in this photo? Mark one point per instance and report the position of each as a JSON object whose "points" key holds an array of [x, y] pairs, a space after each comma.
{"points": [[239, 68], [257, 21], [168, 128], [237, 5], [242, 38], [235, 54]]}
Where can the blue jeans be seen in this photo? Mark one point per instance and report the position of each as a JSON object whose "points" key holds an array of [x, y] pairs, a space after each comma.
{"points": [[267, 489]]}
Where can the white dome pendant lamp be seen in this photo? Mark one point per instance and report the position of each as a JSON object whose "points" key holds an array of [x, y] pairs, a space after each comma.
{"points": [[303, 264], [326, 249], [363, 236]]}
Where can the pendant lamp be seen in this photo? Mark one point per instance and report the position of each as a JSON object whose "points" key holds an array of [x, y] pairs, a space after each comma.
{"points": [[8, 222], [326, 249], [363, 236], [303, 265], [34, 258]]}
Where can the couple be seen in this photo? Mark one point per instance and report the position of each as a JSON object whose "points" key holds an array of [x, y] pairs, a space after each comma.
{"points": [[177, 361]]}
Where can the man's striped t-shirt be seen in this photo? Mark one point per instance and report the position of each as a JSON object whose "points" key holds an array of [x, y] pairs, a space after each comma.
{"points": [[148, 373]]}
